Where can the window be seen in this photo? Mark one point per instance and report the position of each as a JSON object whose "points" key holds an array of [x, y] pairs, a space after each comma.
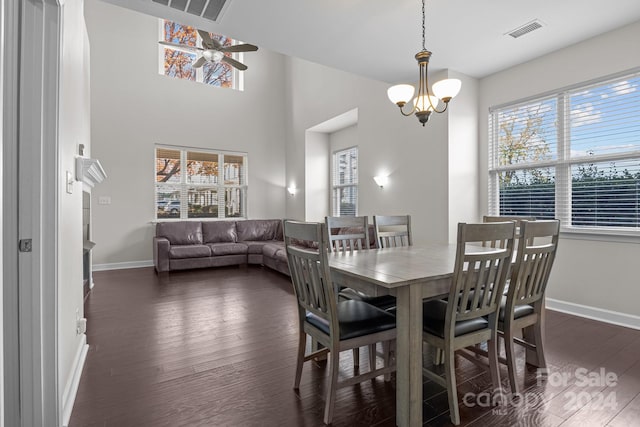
{"points": [[177, 63], [213, 184], [572, 155], [345, 182]]}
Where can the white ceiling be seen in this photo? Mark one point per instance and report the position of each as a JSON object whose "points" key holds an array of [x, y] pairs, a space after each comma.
{"points": [[379, 38]]}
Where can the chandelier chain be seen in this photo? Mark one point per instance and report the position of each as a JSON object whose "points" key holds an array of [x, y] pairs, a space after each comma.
{"points": [[424, 47]]}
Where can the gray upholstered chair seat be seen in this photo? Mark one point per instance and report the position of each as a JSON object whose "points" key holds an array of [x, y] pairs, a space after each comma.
{"points": [[433, 315], [518, 311], [356, 319], [383, 302]]}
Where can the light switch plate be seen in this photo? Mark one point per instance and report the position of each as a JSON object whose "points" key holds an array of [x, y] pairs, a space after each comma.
{"points": [[70, 181]]}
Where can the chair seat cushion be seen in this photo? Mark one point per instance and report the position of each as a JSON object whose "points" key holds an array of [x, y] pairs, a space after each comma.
{"points": [[433, 315], [384, 302], [357, 319], [518, 312], [189, 251]]}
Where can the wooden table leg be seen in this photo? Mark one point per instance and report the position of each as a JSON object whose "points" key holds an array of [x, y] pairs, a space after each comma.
{"points": [[409, 356]]}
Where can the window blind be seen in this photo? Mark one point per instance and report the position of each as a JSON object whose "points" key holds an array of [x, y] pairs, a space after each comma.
{"points": [[579, 163]]}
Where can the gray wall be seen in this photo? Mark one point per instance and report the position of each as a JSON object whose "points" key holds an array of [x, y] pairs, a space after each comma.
{"points": [[133, 108], [587, 271]]}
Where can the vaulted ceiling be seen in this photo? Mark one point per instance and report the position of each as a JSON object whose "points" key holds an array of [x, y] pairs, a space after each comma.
{"points": [[379, 38]]}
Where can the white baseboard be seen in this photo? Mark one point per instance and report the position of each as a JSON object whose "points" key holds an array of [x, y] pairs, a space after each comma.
{"points": [[122, 265], [595, 313], [71, 387]]}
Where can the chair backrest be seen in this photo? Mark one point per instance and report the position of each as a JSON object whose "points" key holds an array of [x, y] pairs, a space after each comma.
{"points": [[309, 270], [392, 231], [347, 233], [537, 247], [517, 219], [480, 273]]}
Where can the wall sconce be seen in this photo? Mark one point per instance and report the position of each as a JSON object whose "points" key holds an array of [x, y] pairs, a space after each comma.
{"points": [[292, 190], [381, 180]]}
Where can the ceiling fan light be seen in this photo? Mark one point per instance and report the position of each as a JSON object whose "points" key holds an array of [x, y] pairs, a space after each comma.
{"points": [[213, 55], [447, 89], [422, 103], [400, 94]]}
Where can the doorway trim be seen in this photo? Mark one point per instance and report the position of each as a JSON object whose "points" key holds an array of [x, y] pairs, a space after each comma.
{"points": [[31, 72]]}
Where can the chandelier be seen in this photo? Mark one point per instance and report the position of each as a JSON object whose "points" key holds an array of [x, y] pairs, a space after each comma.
{"points": [[426, 102]]}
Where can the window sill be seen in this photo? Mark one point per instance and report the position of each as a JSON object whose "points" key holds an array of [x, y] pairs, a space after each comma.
{"points": [[155, 221], [617, 236]]}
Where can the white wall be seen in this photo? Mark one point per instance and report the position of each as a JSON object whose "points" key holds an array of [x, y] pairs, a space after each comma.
{"points": [[133, 108], [588, 272], [317, 187], [74, 129], [415, 158], [463, 155]]}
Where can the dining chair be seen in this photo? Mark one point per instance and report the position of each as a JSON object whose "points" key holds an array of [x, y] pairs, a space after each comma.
{"points": [[517, 219], [338, 326], [392, 231], [469, 315], [523, 306], [346, 234]]}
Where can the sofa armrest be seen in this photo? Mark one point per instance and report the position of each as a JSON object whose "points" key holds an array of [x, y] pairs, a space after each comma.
{"points": [[161, 247]]}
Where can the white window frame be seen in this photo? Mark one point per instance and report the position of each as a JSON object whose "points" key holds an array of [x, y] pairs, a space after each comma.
{"points": [[335, 205], [563, 161], [237, 76], [183, 186]]}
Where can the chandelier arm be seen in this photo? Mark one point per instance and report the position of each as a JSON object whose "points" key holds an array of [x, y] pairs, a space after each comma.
{"points": [[413, 110]]}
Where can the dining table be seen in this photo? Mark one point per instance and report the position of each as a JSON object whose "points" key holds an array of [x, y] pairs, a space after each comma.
{"points": [[411, 274]]}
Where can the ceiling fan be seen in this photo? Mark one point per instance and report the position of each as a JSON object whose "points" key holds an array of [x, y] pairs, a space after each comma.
{"points": [[213, 51]]}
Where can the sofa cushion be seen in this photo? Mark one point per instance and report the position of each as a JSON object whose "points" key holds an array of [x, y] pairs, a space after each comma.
{"points": [[255, 247], [281, 255], [258, 229], [219, 231], [271, 248], [189, 251], [219, 249], [181, 233]]}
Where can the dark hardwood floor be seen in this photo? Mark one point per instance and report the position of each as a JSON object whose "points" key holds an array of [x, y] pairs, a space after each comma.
{"points": [[217, 347]]}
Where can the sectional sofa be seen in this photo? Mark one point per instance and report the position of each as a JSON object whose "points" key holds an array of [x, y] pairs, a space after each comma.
{"points": [[181, 245]]}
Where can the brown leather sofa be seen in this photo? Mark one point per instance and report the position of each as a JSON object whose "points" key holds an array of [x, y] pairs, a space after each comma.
{"points": [[181, 245]]}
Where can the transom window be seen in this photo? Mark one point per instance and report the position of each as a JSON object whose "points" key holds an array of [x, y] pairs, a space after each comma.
{"points": [[345, 182], [572, 155], [179, 64], [212, 185]]}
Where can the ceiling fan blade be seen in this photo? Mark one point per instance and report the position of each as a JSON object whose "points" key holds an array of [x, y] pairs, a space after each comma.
{"points": [[239, 48], [199, 63], [181, 47], [234, 63], [207, 41]]}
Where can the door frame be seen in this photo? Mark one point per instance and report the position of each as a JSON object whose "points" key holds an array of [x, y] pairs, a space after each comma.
{"points": [[31, 71]]}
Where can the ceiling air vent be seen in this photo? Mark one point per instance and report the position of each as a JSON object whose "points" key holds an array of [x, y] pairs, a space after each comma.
{"points": [[525, 29], [209, 9]]}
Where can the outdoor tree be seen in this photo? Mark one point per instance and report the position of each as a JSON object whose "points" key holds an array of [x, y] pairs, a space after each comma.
{"points": [[522, 138]]}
